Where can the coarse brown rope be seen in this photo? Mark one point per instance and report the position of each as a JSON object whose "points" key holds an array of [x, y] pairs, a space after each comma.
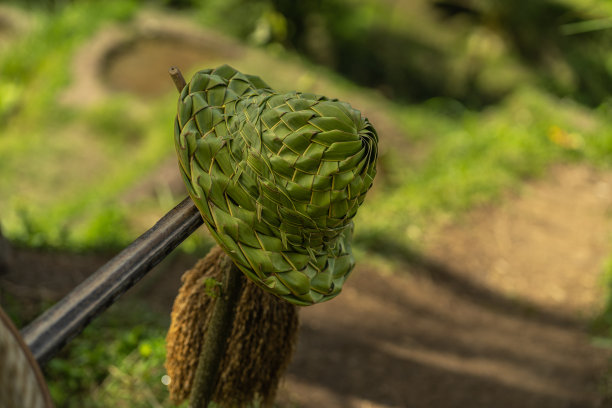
{"points": [[261, 343]]}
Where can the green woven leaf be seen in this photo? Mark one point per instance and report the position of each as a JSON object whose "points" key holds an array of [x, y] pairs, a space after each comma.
{"points": [[277, 178]]}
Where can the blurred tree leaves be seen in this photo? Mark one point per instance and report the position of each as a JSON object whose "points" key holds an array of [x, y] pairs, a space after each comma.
{"points": [[414, 50], [570, 62]]}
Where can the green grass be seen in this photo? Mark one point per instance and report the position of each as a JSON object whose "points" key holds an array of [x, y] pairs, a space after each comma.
{"points": [[117, 361], [41, 164], [475, 156], [65, 169]]}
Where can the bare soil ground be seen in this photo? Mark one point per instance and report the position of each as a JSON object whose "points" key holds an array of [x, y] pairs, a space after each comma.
{"points": [[491, 315], [544, 246]]}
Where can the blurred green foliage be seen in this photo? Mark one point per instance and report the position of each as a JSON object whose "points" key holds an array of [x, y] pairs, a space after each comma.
{"points": [[472, 50], [34, 69], [118, 361], [413, 50], [65, 168], [455, 55], [477, 155], [127, 343]]}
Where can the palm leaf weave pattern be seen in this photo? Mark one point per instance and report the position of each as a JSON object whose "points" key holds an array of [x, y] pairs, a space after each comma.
{"points": [[277, 178]]}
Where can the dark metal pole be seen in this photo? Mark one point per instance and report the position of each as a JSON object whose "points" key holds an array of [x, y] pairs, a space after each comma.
{"points": [[54, 328]]}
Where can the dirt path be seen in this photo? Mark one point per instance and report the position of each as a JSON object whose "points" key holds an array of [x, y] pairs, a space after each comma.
{"points": [[546, 246], [447, 331], [398, 341], [414, 341]]}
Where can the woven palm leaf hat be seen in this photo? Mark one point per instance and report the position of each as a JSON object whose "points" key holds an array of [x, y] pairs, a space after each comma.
{"points": [[277, 177]]}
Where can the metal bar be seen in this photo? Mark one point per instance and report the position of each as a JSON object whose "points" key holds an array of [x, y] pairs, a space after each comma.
{"points": [[46, 335]]}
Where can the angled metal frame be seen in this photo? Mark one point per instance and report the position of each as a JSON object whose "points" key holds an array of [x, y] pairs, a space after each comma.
{"points": [[49, 332]]}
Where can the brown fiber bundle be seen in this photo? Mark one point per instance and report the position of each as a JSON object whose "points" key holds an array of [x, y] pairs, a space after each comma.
{"points": [[262, 340]]}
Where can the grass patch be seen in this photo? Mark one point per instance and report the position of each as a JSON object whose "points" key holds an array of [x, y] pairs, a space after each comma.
{"points": [[117, 361], [475, 156], [65, 169], [129, 335]]}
